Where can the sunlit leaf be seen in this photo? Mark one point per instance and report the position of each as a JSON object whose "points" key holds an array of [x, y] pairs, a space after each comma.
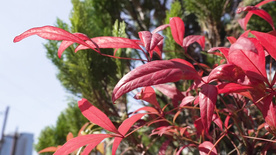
{"points": [[125, 126], [96, 116], [207, 102], [170, 91], [148, 94], [77, 142], [268, 41], [250, 52], [177, 29], [153, 73], [257, 11], [48, 149], [110, 42], [160, 28], [116, 143], [205, 147], [226, 72], [69, 136], [192, 39]]}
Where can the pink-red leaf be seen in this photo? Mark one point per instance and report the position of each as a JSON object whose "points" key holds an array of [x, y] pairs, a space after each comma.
{"points": [[96, 116], [170, 91], [233, 88], [69, 136], [232, 39], [89, 148], [226, 72], [186, 100], [110, 42], [207, 102], [49, 32], [116, 143], [199, 126], [160, 28], [271, 117], [193, 38], [148, 94], [65, 44], [151, 110], [205, 147], [248, 51], [48, 149], [150, 40], [217, 121], [243, 22], [223, 50], [153, 73], [268, 41], [80, 141], [125, 126], [257, 11], [177, 29], [183, 147]]}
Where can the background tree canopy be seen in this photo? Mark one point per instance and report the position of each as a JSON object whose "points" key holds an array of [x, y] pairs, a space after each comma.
{"points": [[92, 76]]}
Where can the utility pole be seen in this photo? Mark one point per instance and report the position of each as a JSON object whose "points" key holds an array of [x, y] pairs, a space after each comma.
{"points": [[4, 126]]}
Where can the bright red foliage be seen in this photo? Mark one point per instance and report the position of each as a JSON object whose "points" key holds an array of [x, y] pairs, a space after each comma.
{"points": [[226, 92]]}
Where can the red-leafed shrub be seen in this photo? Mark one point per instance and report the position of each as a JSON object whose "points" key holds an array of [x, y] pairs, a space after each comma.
{"points": [[221, 100]]}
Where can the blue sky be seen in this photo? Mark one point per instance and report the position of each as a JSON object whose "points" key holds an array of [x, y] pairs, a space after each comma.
{"points": [[28, 82]]}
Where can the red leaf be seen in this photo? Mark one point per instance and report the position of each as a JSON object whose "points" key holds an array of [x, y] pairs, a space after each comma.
{"points": [[80, 141], [151, 110], [271, 117], [116, 143], [48, 149], [52, 33], [125, 126], [207, 102], [110, 42], [226, 72], [167, 130], [186, 100], [231, 39], [170, 91], [248, 51], [96, 116], [49, 32], [257, 11], [205, 147], [150, 40], [160, 28], [148, 94], [191, 39], [232, 88], [64, 44], [243, 22], [89, 148], [177, 29], [268, 41], [153, 73], [69, 136], [226, 121], [264, 2], [223, 50], [163, 148], [199, 126], [217, 121], [183, 147]]}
